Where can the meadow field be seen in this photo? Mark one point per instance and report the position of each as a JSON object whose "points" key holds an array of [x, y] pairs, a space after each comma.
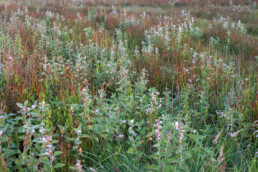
{"points": [[128, 85]]}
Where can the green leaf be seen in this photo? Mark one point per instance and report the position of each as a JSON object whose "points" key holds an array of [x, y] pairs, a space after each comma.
{"points": [[22, 137], [26, 103], [84, 136], [54, 141], [44, 160], [58, 153], [20, 105], [3, 139], [59, 165], [130, 150], [73, 168], [152, 167]]}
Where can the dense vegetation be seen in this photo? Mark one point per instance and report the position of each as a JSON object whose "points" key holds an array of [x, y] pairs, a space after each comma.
{"points": [[128, 85]]}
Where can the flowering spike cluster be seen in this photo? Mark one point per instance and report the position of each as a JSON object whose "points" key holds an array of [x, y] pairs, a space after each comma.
{"points": [[222, 114], [157, 130], [178, 126], [131, 127], [79, 166], [154, 105], [45, 140]]}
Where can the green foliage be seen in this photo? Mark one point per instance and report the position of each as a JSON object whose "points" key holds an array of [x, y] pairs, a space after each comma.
{"points": [[161, 91]]}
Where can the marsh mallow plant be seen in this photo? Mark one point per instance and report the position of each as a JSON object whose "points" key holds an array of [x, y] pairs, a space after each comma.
{"points": [[128, 86]]}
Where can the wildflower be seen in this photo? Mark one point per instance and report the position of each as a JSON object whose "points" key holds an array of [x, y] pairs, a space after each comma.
{"points": [[158, 122], [153, 98], [120, 136], [32, 131], [157, 134], [85, 91], [225, 25], [222, 114], [176, 125], [149, 110], [42, 130], [49, 14], [79, 132], [46, 139], [1, 132], [62, 131], [131, 130], [210, 26], [92, 169], [25, 109], [52, 158], [157, 131], [193, 61], [157, 51], [49, 146], [123, 121], [77, 141], [79, 166]]}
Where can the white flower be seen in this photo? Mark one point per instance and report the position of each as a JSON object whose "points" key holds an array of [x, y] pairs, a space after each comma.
{"points": [[92, 169], [120, 135], [32, 131], [79, 132], [78, 165], [177, 125], [149, 110], [43, 139], [49, 146], [52, 158], [42, 130]]}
